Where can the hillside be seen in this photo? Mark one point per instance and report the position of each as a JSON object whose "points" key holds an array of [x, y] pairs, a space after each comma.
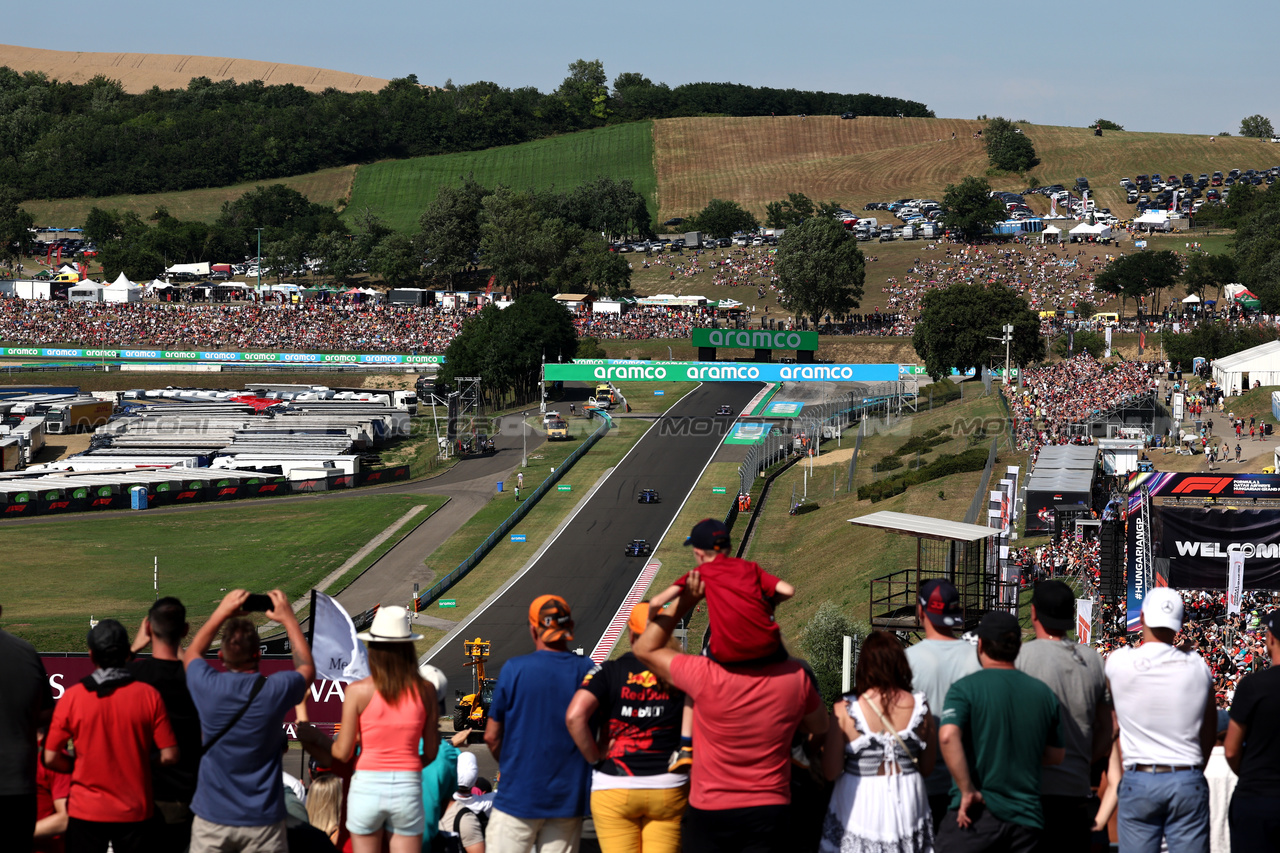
{"points": [[399, 190], [757, 160], [138, 72], [682, 163]]}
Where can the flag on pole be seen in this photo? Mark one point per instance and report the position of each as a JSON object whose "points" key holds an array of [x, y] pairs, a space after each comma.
{"points": [[338, 654], [1108, 355], [1084, 620], [1142, 342], [1235, 581]]}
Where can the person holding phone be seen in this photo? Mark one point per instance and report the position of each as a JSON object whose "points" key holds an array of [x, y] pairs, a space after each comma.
{"points": [[239, 801]]}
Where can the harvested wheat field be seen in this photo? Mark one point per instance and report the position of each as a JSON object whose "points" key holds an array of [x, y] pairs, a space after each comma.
{"points": [[138, 72], [758, 160]]}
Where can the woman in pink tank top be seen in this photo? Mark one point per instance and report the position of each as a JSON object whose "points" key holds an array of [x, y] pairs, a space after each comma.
{"points": [[388, 715]]}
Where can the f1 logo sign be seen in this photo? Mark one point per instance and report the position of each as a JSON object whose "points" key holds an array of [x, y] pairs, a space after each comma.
{"points": [[1202, 485]]}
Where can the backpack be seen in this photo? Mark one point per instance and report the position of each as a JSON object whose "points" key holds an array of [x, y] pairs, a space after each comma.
{"points": [[453, 843]]}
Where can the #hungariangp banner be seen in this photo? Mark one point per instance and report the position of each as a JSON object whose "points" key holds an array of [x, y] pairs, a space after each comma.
{"points": [[623, 370], [126, 354]]}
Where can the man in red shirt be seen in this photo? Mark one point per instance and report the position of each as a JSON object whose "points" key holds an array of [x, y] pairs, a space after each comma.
{"points": [[51, 806], [114, 722], [744, 718]]}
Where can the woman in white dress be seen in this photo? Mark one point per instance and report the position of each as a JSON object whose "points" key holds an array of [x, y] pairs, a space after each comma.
{"points": [[879, 749]]}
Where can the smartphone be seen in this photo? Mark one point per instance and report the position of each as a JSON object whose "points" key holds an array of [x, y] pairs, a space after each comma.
{"points": [[257, 602]]}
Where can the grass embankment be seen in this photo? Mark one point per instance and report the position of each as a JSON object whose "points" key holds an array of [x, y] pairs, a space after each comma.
{"points": [[327, 187], [508, 557], [399, 190], [101, 567]]}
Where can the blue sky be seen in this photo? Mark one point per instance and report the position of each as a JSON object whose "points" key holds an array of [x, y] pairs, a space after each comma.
{"points": [[1173, 66]]}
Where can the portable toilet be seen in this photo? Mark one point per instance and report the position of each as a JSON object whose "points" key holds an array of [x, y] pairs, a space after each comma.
{"points": [[138, 497]]}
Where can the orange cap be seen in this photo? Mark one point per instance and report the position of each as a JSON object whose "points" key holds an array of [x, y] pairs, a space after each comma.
{"points": [[639, 618], [550, 615]]}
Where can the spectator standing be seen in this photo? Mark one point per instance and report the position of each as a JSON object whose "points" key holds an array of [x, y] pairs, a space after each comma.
{"points": [[25, 702], [1075, 675], [545, 783], [999, 726], [114, 722], [1168, 721], [878, 752], [163, 630], [1253, 751], [239, 800], [389, 714], [440, 776], [937, 662], [636, 802], [52, 790], [744, 718]]}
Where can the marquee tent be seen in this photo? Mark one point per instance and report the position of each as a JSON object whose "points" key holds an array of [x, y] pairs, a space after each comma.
{"points": [[1191, 300], [1240, 371], [1085, 230], [1053, 233], [1154, 220], [87, 291], [121, 290]]}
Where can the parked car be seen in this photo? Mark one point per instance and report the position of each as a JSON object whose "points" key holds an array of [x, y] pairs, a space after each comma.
{"points": [[848, 115]]}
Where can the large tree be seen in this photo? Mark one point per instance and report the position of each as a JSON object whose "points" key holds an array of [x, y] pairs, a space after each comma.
{"points": [[1139, 276], [15, 227], [449, 229], [1008, 148], [1256, 127], [969, 208], [722, 218], [507, 348], [1204, 271], [956, 324], [820, 269], [585, 92]]}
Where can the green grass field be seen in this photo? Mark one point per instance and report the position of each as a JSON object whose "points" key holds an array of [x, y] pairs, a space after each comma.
{"points": [[101, 566], [399, 190]]}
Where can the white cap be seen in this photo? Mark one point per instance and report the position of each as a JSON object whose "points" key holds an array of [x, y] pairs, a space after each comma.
{"points": [[438, 681], [468, 771], [1162, 608]]}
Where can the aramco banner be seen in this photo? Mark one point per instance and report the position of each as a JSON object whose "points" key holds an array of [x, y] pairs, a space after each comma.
{"points": [[1199, 545], [717, 371], [755, 339]]}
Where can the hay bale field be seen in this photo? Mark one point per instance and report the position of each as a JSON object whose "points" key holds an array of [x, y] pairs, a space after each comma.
{"points": [[138, 72], [758, 160]]}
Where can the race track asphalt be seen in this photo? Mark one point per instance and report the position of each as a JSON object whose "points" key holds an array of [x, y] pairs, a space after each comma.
{"points": [[586, 564]]}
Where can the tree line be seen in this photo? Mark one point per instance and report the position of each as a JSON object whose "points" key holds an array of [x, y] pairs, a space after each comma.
{"points": [[60, 139]]}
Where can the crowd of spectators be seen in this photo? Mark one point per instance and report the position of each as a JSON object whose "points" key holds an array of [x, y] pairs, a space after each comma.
{"points": [[1047, 402], [643, 323]]}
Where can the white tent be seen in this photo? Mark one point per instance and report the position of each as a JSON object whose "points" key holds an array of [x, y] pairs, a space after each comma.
{"points": [[1052, 232], [121, 290], [189, 269], [87, 291], [1192, 299], [1085, 230], [1154, 220], [1237, 291], [68, 268], [1239, 371]]}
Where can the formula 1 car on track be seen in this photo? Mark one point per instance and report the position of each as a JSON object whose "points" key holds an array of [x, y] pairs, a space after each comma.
{"points": [[649, 496], [724, 410], [638, 548]]}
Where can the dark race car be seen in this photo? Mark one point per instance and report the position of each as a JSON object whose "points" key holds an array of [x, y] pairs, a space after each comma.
{"points": [[649, 496], [724, 410], [638, 548]]}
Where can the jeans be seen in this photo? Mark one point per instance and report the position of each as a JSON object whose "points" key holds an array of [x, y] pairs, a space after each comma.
{"points": [[1174, 806], [629, 820], [1255, 823]]}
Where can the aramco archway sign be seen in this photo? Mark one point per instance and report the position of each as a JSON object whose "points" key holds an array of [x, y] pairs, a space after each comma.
{"points": [[763, 341]]}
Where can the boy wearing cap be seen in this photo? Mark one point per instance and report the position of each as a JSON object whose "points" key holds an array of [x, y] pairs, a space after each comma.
{"points": [[937, 662], [543, 796], [741, 598], [999, 726], [1168, 723], [114, 722], [1074, 673]]}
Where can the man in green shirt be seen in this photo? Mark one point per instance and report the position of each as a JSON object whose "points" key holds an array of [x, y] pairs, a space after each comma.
{"points": [[998, 727]]}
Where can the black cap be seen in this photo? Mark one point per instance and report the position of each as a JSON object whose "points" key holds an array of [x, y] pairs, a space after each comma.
{"points": [[1055, 605], [1272, 622], [708, 535], [941, 603], [109, 642], [996, 625]]}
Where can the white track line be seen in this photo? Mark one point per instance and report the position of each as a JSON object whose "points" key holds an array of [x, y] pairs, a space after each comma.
{"points": [[564, 525]]}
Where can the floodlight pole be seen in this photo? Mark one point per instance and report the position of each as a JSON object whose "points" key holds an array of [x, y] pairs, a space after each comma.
{"points": [[1006, 338]]}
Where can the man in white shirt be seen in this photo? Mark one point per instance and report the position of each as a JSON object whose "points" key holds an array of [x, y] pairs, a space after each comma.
{"points": [[937, 662], [1168, 722]]}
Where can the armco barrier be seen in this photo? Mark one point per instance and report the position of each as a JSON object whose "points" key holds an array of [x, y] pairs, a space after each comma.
{"points": [[445, 583]]}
